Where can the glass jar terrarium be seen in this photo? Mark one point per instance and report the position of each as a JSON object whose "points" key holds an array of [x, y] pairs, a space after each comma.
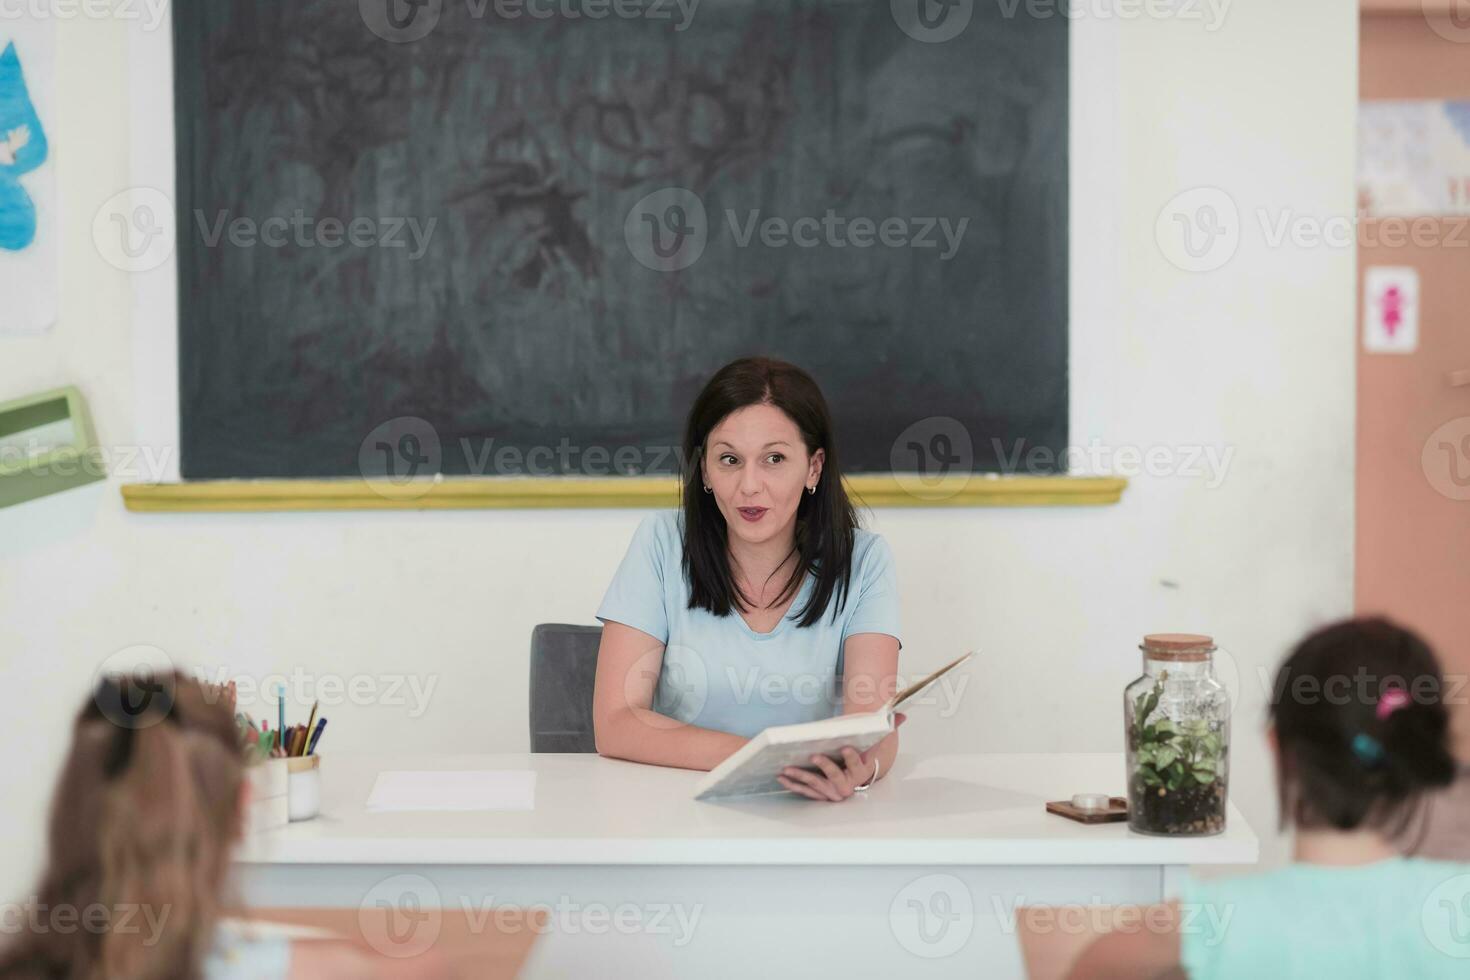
{"points": [[1177, 720]]}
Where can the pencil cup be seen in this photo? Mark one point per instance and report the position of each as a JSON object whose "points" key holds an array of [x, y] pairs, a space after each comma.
{"points": [[269, 788], [305, 790]]}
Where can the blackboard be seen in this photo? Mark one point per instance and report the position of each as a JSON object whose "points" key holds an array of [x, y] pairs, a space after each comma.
{"points": [[438, 251]]}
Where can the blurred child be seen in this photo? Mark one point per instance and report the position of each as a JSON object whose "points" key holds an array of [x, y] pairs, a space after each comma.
{"points": [[1360, 736], [146, 814]]}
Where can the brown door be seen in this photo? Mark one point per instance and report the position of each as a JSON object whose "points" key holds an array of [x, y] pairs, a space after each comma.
{"points": [[1413, 444]]}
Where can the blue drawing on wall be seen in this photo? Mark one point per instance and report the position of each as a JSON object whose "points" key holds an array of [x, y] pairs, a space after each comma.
{"points": [[22, 149]]}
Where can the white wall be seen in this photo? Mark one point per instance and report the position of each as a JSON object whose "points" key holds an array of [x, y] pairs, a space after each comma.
{"points": [[1255, 357]]}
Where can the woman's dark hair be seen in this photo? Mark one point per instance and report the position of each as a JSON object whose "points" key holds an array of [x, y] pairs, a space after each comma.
{"points": [[1362, 729], [824, 520]]}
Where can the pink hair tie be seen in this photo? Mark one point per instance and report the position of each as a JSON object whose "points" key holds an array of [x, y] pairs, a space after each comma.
{"points": [[1392, 700]]}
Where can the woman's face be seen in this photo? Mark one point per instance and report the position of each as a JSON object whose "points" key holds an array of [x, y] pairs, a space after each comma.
{"points": [[756, 465]]}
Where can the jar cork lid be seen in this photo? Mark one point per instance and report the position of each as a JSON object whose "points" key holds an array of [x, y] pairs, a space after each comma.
{"points": [[1185, 647]]}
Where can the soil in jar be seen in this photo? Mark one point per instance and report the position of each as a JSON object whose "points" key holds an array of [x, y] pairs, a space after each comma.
{"points": [[1194, 809]]}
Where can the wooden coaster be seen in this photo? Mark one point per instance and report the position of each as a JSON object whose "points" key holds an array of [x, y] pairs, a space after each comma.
{"points": [[1117, 810]]}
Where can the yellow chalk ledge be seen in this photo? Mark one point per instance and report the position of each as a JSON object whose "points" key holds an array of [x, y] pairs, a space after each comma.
{"points": [[475, 493]]}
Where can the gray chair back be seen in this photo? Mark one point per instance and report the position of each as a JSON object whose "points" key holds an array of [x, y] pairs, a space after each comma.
{"points": [[563, 671]]}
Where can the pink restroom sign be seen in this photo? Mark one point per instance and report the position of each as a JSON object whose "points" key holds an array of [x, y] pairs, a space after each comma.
{"points": [[1390, 309]]}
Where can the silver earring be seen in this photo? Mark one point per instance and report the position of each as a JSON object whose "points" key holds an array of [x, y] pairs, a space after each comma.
{"points": [[811, 490], [708, 490]]}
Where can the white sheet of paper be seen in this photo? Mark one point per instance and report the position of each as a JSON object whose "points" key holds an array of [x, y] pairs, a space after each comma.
{"points": [[460, 789]]}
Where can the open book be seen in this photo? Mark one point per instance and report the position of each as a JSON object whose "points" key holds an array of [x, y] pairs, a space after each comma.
{"points": [[752, 770]]}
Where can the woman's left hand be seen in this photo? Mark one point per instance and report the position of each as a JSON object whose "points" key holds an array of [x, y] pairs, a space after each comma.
{"points": [[834, 783]]}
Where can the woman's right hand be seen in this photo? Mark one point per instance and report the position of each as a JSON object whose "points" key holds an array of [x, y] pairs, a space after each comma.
{"points": [[835, 783]]}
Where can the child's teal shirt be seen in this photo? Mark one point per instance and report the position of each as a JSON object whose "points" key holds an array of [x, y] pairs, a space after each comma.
{"points": [[716, 671], [1402, 918]]}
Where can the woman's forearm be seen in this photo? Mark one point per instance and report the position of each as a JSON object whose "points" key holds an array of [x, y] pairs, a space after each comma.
{"points": [[642, 735]]}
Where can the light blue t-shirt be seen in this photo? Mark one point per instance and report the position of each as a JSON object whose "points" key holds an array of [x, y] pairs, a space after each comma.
{"points": [[1404, 917], [717, 672], [241, 952]]}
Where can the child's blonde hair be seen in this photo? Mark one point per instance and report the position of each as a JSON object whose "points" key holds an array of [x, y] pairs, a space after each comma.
{"points": [[142, 823]]}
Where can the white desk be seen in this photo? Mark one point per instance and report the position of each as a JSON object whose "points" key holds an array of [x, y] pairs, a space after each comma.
{"points": [[918, 877]]}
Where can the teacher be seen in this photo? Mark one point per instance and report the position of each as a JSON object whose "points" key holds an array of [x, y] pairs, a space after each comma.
{"points": [[759, 602]]}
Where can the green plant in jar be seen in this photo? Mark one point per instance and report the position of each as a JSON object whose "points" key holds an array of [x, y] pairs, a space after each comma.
{"points": [[1170, 757], [1178, 740]]}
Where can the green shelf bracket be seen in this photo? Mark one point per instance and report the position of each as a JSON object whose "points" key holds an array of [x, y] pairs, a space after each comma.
{"points": [[47, 445]]}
